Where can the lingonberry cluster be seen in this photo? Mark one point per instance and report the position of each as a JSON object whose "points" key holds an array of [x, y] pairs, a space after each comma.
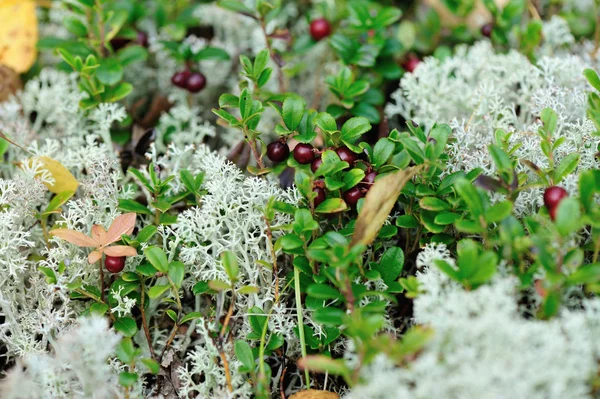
{"points": [[193, 82], [304, 154]]}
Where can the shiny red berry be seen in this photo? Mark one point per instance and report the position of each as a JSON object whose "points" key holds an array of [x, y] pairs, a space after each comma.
{"points": [[320, 29], [487, 29], [142, 38], [195, 82], [179, 78], [114, 264], [346, 154], [369, 179], [352, 196], [320, 195], [304, 154], [552, 197], [277, 151], [315, 164], [411, 63]]}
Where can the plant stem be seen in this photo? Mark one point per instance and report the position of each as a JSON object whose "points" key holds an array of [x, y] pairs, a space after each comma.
{"points": [[101, 279], [274, 256], [300, 320], [144, 321]]}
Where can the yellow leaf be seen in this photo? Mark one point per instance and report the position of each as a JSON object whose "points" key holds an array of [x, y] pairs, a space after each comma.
{"points": [[63, 179], [18, 34], [378, 204], [314, 394]]}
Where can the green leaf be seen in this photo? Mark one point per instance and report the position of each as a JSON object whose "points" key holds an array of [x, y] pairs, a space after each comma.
{"points": [[75, 26], [290, 242], [156, 256], [391, 264], [211, 53], [354, 128], [230, 264], [322, 291], [352, 178], [127, 379], [592, 77], [132, 54], [218, 285], [329, 316], [133, 206], [331, 205], [566, 167], [382, 151], [434, 204], [190, 316], [125, 326], [120, 91], [172, 315], [109, 72], [498, 212], [550, 119], [244, 354], [146, 233], [158, 290], [292, 112], [152, 365], [324, 364], [125, 350], [200, 287], [58, 201], [146, 269], [325, 122], [469, 194], [501, 158], [99, 308], [176, 273], [568, 216]]}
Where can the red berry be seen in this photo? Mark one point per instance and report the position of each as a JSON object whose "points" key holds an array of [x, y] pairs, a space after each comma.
{"points": [[320, 28], [277, 151], [315, 164], [352, 196], [320, 195], [195, 82], [552, 197], [369, 179], [346, 154], [486, 30], [411, 63], [179, 78], [118, 43], [304, 154], [114, 264], [142, 38]]}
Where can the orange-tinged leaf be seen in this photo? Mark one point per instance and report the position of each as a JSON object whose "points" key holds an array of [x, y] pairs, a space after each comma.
{"points": [[120, 250], [314, 394], [11, 82], [63, 179], [123, 224], [74, 237], [378, 204], [94, 256], [98, 234], [18, 34]]}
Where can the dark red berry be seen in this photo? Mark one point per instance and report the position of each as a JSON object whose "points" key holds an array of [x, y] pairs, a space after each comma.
{"points": [[369, 179], [346, 154], [179, 78], [320, 28], [315, 164], [118, 43], [352, 196], [195, 82], [114, 264], [320, 195], [142, 38], [486, 30], [304, 154], [552, 197], [411, 63], [277, 151]]}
